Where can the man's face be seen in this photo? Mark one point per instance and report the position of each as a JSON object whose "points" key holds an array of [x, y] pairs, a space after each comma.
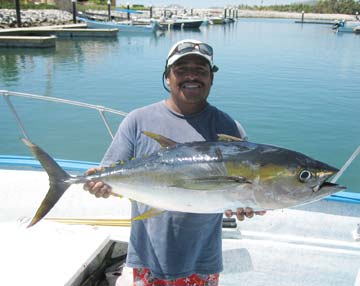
{"points": [[190, 80]]}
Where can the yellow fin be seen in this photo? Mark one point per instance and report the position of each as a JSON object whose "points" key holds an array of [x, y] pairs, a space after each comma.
{"points": [[116, 195], [150, 213], [163, 141], [229, 138]]}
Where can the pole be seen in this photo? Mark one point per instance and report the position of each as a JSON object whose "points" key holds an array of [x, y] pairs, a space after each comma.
{"points": [[151, 12], [18, 14], [346, 165], [302, 16], [74, 10], [128, 13], [109, 9]]}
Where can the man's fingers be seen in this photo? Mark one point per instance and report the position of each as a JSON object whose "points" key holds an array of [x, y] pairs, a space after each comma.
{"points": [[241, 213], [95, 187], [228, 213], [92, 171], [88, 185], [249, 213]]}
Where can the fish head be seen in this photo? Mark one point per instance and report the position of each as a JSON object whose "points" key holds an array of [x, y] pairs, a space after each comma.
{"points": [[289, 178]]}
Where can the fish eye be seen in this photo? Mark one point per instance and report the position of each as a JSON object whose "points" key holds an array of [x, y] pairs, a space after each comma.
{"points": [[305, 175]]}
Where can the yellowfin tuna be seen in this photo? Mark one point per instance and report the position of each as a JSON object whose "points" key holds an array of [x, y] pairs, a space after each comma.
{"points": [[203, 177]]}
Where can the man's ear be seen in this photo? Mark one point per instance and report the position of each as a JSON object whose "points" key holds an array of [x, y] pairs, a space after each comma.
{"points": [[166, 75]]}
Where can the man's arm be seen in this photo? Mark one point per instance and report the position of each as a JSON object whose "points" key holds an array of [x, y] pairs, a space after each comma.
{"points": [[121, 148]]}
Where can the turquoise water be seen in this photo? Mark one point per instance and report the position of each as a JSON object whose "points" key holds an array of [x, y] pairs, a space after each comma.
{"points": [[291, 85]]}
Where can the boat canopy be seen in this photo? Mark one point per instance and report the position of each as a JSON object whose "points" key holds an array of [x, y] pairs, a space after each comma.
{"points": [[128, 11]]}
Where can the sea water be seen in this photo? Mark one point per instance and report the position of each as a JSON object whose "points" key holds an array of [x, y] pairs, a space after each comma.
{"points": [[292, 85]]}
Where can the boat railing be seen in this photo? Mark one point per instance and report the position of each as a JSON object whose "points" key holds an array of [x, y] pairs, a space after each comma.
{"points": [[101, 109]]}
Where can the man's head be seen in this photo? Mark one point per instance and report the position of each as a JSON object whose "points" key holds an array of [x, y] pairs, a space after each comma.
{"points": [[190, 47], [189, 73]]}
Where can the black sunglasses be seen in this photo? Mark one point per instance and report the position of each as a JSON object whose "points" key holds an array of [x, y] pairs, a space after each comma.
{"points": [[187, 47]]}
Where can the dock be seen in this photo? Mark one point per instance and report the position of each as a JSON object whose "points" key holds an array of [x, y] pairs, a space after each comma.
{"points": [[45, 37], [27, 42], [321, 22]]}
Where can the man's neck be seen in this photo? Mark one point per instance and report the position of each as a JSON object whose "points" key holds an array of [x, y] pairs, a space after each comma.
{"points": [[185, 108]]}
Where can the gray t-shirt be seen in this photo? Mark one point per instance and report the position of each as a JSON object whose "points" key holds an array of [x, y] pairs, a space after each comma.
{"points": [[173, 244]]}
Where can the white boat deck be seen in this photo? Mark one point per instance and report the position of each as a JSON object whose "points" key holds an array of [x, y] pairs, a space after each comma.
{"points": [[310, 246]]}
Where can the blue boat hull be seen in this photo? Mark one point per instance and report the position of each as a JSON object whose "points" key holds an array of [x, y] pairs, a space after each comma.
{"points": [[123, 27]]}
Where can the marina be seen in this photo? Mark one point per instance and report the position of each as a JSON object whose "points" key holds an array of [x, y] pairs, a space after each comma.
{"points": [[288, 84]]}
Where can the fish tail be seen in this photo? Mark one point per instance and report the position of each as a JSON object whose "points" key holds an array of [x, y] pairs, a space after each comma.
{"points": [[57, 177]]}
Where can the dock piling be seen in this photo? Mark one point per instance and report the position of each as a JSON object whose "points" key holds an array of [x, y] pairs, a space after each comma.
{"points": [[18, 14], [109, 9], [128, 14], [74, 10]]}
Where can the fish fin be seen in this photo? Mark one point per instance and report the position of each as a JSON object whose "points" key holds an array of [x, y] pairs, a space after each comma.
{"points": [[211, 182], [219, 154], [163, 141], [148, 214], [57, 177], [229, 138], [116, 195]]}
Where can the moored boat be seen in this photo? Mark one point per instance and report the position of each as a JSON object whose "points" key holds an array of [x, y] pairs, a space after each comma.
{"points": [[347, 26], [182, 23], [123, 26]]}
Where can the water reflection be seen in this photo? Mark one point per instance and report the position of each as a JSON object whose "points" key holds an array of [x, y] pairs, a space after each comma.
{"points": [[14, 61]]}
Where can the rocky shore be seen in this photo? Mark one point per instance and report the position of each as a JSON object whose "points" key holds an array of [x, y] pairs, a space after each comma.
{"points": [[33, 18]]}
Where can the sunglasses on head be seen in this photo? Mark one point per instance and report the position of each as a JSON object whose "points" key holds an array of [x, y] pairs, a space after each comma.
{"points": [[189, 47]]}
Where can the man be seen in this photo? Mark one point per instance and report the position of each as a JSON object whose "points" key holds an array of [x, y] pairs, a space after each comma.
{"points": [[175, 248]]}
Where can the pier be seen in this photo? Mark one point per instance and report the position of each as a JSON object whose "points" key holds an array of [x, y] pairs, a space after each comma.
{"points": [[321, 22], [27, 41], [45, 37]]}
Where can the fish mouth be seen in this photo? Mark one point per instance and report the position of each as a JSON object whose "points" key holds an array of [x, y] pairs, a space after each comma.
{"points": [[324, 175], [329, 186]]}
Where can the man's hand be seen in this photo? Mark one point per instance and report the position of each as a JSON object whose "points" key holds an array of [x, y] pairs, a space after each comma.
{"points": [[99, 188], [241, 213]]}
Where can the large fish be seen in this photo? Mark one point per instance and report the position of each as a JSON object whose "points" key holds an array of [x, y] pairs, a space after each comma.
{"points": [[203, 177]]}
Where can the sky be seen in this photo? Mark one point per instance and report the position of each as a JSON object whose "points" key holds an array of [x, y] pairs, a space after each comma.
{"points": [[207, 3]]}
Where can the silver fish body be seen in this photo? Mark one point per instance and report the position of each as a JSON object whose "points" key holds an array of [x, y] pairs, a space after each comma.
{"points": [[210, 177], [205, 177]]}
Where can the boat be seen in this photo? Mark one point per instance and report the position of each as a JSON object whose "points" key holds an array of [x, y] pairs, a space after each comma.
{"points": [[181, 23], [187, 23], [216, 20], [347, 26], [123, 26], [316, 244]]}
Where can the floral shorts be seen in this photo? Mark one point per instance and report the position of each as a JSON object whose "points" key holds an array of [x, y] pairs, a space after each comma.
{"points": [[143, 277]]}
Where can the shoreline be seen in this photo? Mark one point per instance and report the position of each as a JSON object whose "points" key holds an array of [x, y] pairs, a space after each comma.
{"points": [[51, 17], [294, 15]]}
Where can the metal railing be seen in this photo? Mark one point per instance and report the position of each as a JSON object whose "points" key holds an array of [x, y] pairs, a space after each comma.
{"points": [[101, 109]]}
